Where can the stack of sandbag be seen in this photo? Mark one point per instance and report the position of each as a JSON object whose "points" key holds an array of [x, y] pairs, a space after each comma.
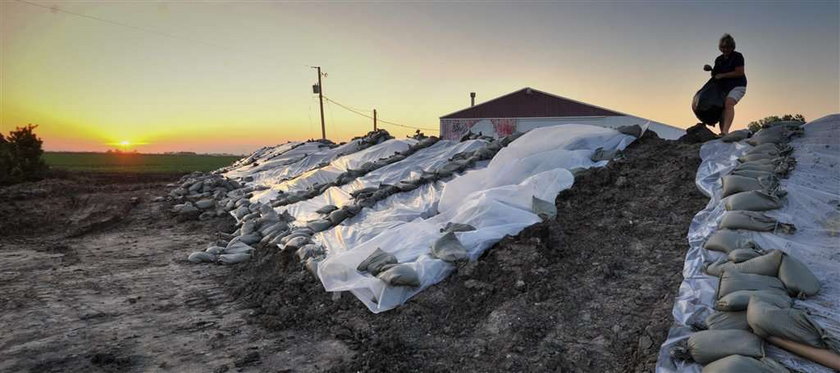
{"points": [[257, 225], [757, 287]]}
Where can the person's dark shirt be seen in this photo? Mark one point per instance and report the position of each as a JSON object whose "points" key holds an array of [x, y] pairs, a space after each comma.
{"points": [[726, 65]]}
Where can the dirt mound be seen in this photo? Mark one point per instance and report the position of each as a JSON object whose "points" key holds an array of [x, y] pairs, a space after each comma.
{"points": [[589, 291]]}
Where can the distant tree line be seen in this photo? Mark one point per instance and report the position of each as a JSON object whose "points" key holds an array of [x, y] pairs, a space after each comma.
{"points": [[759, 124], [20, 156]]}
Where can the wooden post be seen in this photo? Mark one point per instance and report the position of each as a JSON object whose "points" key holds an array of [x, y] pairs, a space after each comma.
{"points": [[374, 119], [321, 101]]}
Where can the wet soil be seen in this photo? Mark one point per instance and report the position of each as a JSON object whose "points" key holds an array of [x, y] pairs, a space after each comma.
{"points": [[93, 278], [589, 291]]}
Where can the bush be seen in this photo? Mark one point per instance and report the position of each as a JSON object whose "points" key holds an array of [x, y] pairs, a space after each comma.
{"points": [[20, 156], [759, 124]]}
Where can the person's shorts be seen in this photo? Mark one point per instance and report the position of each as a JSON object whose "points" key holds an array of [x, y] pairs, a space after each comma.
{"points": [[737, 93]]}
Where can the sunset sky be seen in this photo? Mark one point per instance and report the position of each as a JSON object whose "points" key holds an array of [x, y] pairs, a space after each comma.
{"points": [[233, 76]]}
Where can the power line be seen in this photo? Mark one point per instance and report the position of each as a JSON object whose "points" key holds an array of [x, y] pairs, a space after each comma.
{"points": [[55, 8], [380, 120], [115, 23]]}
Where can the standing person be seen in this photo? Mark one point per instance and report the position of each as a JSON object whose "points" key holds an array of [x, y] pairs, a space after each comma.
{"points": [[729, 73]]}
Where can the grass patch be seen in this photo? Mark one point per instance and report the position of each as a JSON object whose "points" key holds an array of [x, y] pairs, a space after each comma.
{"points": [[136, 163]]}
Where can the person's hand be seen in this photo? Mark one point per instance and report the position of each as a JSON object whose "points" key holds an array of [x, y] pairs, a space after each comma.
{"points": [[707, 68], [719, 76]]}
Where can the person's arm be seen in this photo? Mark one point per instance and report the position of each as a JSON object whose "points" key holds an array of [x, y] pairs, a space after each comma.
{"points": [[739, 71]]}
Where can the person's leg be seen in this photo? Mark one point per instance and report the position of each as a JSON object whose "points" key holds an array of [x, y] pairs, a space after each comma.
{"points": [[728, 115]]}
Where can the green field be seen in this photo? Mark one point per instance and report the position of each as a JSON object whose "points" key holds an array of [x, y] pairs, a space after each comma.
{"points": [[136, 163]]}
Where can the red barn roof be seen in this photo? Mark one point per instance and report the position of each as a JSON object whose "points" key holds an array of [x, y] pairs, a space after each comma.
{"points": [[530, 103]]}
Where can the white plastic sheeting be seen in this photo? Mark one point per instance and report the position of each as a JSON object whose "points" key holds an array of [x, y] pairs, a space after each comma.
{"points": [[812, 204], [411, 168], [288, 164], [335, 168], [496, 200]]}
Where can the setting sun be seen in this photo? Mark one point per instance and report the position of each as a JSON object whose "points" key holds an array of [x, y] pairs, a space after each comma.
{"points": [[125, 143]]}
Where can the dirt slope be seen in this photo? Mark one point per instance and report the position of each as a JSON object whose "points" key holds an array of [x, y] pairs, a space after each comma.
{"points": [[590, 291]]}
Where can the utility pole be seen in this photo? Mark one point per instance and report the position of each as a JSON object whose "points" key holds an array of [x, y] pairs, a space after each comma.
{"points": [[321, 102], [374, 119]]}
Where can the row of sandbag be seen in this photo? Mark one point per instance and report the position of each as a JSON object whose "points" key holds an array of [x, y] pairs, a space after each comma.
{"points": [[448, 248], [257, 223], [205, 195], [756, 286], [367, 197], [348, 176], [260, 225]]}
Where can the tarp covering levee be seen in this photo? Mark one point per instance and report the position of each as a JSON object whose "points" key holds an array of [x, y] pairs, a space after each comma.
{"points": [[812, 204], [495, 195], [496, 200]]}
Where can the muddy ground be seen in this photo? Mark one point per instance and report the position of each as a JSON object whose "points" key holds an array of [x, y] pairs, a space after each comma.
{"points": [[94, 280]]}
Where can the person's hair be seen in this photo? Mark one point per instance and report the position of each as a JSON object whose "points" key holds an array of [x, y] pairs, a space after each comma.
{"points": [[727, 40]]}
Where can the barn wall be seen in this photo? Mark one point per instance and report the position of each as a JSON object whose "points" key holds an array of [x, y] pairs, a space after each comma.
{"points": [[454, 129]]}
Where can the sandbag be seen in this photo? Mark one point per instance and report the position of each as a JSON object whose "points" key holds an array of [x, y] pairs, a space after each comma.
{"points": [[338, 216], [727, 321], [708, 102], [296, 243], [202, 257], [755, 174], [754, 200], [756, 157], [767, 265], [249, 227], [285, 239], [456, 227], [754, 221], [234, 258], [237, 248], [742, 255], [399, 275], [735, 136], [736, 183], [544, 209], [215, 250], [448, 248], [709, 345], [792, 324], [798, 279], [732, 281], [744, 364], [776, 135], [634, 130], [309, 251], [770, 148], [326, 209], [601, 154], [376, 261], [726, 241], [739, 300], [250, 239], [319, 225]]}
